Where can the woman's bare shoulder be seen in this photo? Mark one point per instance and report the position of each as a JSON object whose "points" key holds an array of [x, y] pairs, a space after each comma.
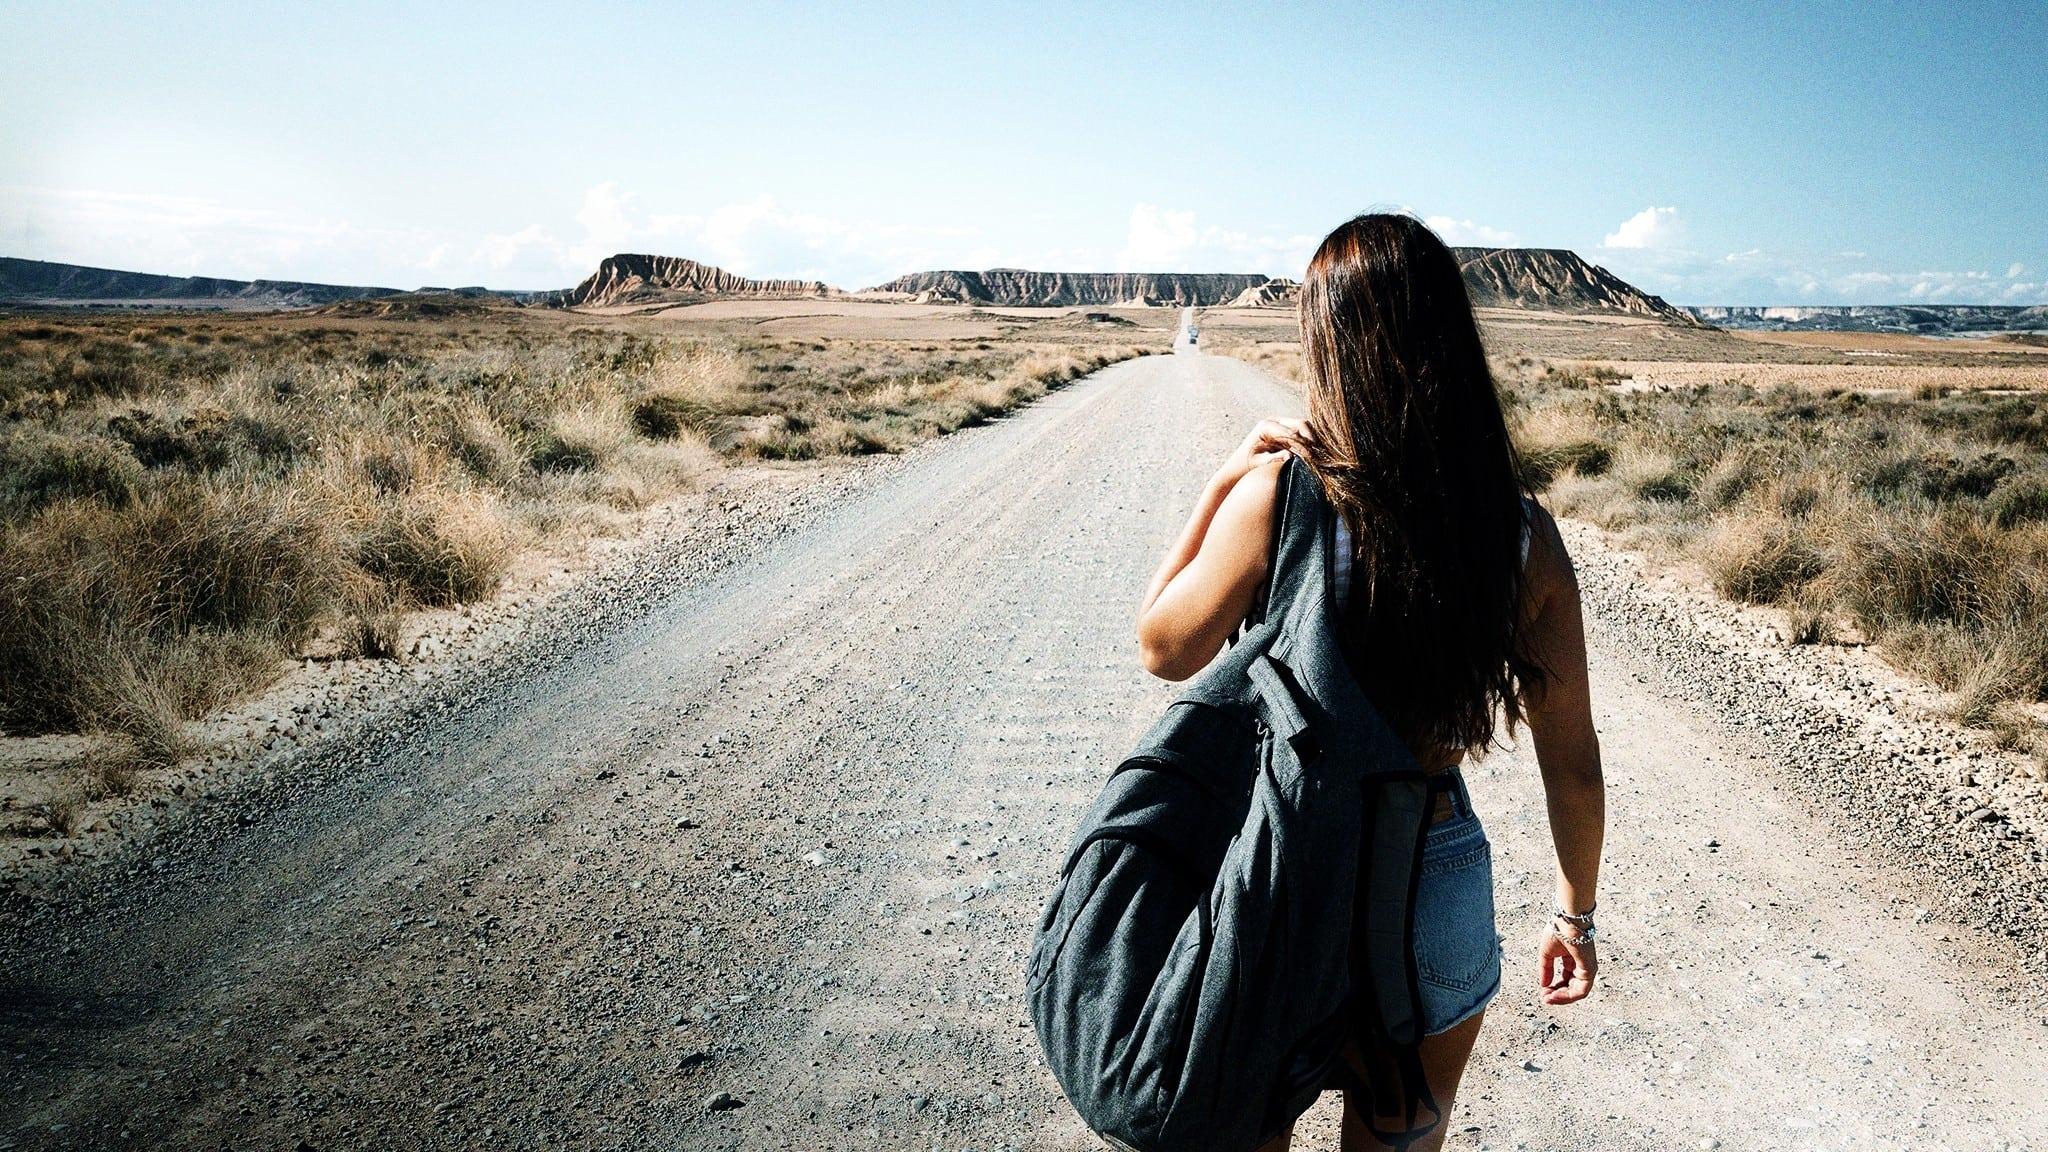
{"points": [[1244, 521], [1256, 487], [1549, 572]]}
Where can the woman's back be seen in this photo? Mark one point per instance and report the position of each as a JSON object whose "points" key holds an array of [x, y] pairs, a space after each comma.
{"points": [[1342, 560]]}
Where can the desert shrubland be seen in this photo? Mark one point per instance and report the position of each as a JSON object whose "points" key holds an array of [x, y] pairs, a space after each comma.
{"points": [[1919, 520], [187, 503]]}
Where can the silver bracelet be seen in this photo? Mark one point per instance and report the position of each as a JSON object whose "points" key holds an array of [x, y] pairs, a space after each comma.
{"points": [[1586, 936], [1577, 919]]}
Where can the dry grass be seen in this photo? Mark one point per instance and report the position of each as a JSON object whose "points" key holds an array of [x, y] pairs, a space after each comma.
{"points": [[187, 503], [1559, 440], [1282, 359], [1921, 519], [1759, 558]]}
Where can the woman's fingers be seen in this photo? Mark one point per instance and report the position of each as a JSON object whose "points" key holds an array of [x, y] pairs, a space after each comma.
{"points": [[1281, 428], [1568, 971], [1548, 957], [1575, 989], [1276, 436]]}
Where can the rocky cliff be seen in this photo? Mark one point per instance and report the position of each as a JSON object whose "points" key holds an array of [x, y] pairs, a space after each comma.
{"points": [[42, 282], [1546, 278], [1018, 288], [1925, 319], [628, 279], [1271, 294], [1555, 279]]}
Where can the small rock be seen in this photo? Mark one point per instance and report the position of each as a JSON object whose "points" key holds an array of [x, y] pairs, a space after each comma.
{"points": [[723, 1102], [1712, 843], [1531, 1066]]}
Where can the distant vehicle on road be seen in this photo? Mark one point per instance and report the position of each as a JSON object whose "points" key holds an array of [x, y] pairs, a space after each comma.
{"points": [[1193, 335]]}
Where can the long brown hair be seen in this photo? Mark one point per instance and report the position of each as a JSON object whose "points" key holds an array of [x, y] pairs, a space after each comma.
{"points": [[1412, 447]]}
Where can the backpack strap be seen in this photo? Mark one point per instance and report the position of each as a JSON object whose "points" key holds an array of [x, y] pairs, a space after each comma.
{"points": [[1297, 524]]}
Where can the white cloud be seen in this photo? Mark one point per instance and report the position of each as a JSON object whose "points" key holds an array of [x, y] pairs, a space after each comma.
{"points": [[196, 236], [757, 237], [1159, 238], [1925, 287], [1651, 228], [1761, 276], [1456, 231], [1171, 240], [187, 235], [501, 251], [606, 224], [2016, 271]]}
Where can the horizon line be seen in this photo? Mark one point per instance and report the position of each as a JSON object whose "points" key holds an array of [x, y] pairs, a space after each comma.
{"points": [[452, 288]]}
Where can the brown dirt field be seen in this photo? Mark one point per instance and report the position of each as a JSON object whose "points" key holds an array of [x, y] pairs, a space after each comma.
{"points": [[1882, 376], [1895, 342]]}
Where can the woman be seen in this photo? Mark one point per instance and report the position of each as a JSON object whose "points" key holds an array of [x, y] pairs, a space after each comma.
{"points": [[1459, 607]]}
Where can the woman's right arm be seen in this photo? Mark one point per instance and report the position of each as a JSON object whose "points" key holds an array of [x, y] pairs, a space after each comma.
{"points": [[1210, 576], [1560, 716]]}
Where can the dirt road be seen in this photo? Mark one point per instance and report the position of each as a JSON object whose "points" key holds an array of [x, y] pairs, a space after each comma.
{"points": [[749, 858]]}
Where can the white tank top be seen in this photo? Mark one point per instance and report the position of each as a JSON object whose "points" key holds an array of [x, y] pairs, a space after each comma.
{"points": [[1342, 559]]}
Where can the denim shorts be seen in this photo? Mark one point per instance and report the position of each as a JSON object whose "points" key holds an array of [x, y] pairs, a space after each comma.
{"points": [[1457, 952]]}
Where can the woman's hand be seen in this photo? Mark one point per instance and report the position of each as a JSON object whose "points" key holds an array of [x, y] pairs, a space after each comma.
{"points": [[1268, 437], [1568, 969]]}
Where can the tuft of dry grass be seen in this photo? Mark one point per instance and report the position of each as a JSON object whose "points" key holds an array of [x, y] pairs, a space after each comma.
{"points": [[1760, 558], [128, 617], [1559, 439], [114, 761], [2012, 730], [64, 814], [1579, 376], [435, 548], [2018, 500]]}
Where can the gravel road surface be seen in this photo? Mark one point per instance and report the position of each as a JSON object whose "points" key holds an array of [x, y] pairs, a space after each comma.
{"points": [[748, 856]]}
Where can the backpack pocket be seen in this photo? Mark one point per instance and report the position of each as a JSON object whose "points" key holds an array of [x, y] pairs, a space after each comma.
{"points": [[1114, 968]]}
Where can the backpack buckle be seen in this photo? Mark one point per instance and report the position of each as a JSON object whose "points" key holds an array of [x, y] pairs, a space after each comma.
{"points": [[1280, 711]]}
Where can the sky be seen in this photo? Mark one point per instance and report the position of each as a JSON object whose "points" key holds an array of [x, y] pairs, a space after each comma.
{"points": [[1714, 154]]}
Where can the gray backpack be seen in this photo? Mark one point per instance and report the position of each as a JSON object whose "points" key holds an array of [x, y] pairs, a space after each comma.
{"points": [[1192, 980]]}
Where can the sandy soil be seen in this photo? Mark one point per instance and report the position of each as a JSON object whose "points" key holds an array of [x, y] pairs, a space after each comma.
{"points": [[742, 848], [1895, 342]]}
